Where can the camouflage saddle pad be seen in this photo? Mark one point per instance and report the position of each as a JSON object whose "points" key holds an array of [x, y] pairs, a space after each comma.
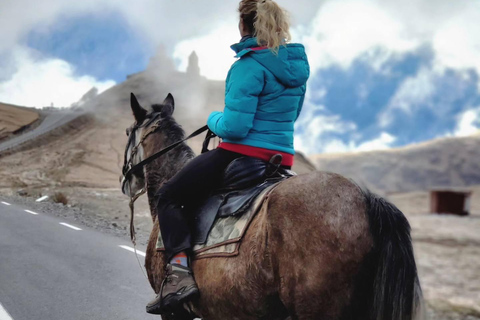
{"points": [[226, 233]]}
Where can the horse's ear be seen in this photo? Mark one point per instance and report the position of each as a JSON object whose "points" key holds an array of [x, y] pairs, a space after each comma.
{"points": [[138, 112], [168, 106]]}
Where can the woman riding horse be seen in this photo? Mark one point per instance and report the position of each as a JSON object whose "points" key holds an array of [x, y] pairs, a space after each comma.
{"points": [[265, 89]]}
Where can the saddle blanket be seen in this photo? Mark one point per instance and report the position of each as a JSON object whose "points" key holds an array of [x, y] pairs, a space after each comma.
{"points": [[226, 234]]}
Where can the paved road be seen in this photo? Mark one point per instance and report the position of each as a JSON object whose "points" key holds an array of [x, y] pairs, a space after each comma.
{"points": [[52, 121], [50, 271]]}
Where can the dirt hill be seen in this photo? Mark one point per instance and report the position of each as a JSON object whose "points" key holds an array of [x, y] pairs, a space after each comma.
{"points": [[15, 118], [446, 162], [90, 154]]}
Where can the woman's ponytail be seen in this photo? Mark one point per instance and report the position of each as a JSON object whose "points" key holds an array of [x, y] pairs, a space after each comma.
{"points": [[270, 22]]}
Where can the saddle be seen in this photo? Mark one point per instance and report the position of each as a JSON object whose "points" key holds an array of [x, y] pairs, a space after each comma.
{"points": [[230, 208]]}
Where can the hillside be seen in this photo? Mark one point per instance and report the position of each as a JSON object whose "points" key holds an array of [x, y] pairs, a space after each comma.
{"points": [[91, 153], [14, 118], [446, 162]]}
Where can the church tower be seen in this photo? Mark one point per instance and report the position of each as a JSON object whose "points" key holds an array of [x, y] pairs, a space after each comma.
{"points": [[193, 70]]}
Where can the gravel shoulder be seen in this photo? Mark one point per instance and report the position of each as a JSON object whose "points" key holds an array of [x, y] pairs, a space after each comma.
{"points": [[105, 210]]}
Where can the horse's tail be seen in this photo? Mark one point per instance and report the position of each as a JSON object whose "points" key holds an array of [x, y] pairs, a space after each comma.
{"points": [[394, 286]]}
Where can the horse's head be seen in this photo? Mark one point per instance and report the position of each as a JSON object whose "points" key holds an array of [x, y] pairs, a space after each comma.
{"points": [[146, 122]]}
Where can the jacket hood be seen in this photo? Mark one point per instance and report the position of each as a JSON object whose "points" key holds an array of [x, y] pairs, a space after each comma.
{"points": [[290, 66]]}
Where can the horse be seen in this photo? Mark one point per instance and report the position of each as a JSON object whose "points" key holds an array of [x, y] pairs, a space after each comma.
{"points": [[324, 248]]}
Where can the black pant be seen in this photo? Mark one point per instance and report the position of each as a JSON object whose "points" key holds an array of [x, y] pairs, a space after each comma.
{"points": [[185, 191]]}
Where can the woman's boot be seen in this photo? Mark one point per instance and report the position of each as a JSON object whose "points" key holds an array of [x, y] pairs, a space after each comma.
{"points": [[178, 287]]}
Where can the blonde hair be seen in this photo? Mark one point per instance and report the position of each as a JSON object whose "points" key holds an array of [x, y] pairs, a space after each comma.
{"points": [[268, 22]]}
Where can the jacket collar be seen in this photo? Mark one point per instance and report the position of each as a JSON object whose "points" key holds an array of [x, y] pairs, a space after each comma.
{"points": [[245, 47], [248, 43]]}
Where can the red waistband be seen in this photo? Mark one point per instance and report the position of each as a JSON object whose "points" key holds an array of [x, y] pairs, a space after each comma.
{"points": [[260, 153]]}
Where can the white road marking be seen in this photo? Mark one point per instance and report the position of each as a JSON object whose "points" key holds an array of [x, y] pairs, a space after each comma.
{"points": [[4, 315], [6, 203], [70, 226], [31, 212], [41, 199], [141, 253]]}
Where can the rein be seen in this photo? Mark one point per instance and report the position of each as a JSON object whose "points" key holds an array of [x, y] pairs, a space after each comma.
{"points": [[160, 153], [127, 172], [129, 169]]}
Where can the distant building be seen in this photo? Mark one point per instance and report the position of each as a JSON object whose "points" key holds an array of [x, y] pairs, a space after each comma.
{"points": [[450, 201], [193, 69]]}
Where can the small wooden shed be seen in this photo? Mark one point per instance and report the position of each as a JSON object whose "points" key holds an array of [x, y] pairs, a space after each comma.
{"points": [[450, 201]]}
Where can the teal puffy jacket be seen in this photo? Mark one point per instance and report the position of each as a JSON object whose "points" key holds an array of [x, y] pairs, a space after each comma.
{"points": [[263, 97]]}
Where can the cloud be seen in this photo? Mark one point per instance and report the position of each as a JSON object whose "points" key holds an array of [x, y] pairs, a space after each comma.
{"points": [[213, 47], [342, 31], [377, 30], [383, 141], [214, 53], [316, 129], [426, 105], [207, 26], [457, 41], [468, 123], [321, 137], [39, 82], [413, 93], [311, 144]]}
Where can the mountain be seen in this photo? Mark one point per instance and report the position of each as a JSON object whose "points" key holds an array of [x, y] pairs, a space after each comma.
{"points": [[445, 162]]}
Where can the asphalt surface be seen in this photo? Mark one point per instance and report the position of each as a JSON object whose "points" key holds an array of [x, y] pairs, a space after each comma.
{"points": [[52, 121], [50, 271]]}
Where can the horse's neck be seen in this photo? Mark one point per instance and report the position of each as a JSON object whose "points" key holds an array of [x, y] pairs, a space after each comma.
{"points": [[164, 168]]}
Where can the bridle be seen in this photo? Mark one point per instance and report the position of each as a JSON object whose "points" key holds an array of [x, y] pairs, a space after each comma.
{"points": [[129, 168], [128, 164]]}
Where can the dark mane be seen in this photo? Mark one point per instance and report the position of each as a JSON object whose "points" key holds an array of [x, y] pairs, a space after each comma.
{"points": [[173, 131], [163, 168]]}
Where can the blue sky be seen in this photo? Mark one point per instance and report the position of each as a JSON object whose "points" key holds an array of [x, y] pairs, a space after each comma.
{"points": [[103, 46], [360, 95], [384, 74]]}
